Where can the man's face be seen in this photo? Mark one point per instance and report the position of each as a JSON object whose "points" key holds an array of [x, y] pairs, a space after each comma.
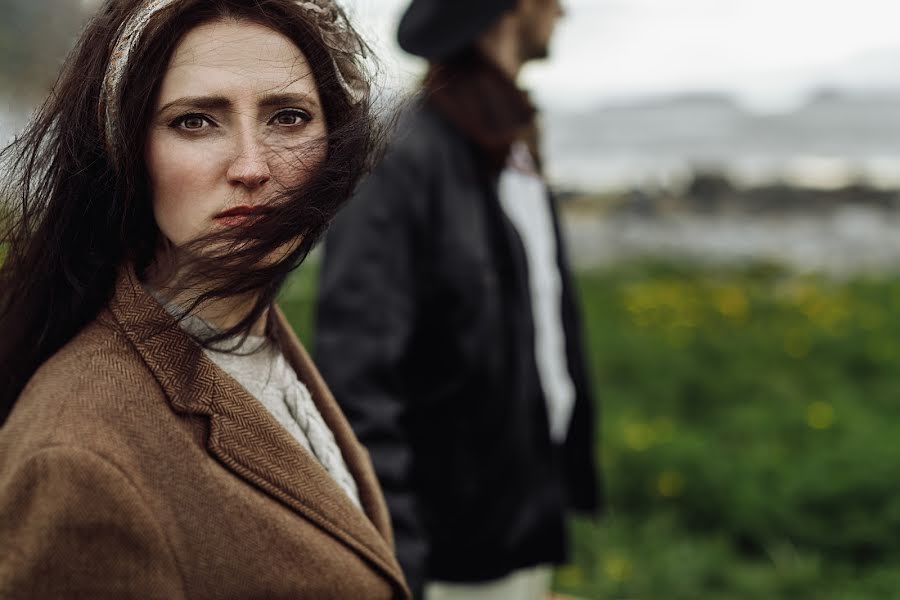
{"points": [[537, 21]]}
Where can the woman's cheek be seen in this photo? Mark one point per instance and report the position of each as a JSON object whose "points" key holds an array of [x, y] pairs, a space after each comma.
{"points": [[173, 215], [183, 191]]}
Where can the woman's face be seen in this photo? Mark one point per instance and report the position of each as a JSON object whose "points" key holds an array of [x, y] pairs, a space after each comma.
{"points": [[238, 119]]}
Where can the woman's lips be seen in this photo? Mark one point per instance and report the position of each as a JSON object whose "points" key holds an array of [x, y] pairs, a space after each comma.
{"points": [[239, 214]]}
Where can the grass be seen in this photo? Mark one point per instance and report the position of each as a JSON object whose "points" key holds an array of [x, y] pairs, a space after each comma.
{"points": [[750, 420]]}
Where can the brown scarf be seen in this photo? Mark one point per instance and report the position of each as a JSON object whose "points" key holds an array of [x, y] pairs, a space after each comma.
{"points": [[476, 96]]}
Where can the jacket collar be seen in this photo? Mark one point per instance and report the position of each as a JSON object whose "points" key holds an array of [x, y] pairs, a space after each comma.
{"points": [[246, 439]]}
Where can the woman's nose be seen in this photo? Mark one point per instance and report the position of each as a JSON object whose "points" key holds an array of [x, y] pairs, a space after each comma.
{"points": [[250, 168]]}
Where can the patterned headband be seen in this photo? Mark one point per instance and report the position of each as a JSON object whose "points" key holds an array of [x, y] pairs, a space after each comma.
{"points": [[337, 33]]}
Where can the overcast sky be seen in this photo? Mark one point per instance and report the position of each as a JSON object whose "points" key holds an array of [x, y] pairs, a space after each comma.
{"points": [[770, 53]]}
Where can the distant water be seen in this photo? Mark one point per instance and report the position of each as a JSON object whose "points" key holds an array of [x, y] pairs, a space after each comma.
{"points": [[5, 127], [834, 138], [842, 243], [11, 122]]}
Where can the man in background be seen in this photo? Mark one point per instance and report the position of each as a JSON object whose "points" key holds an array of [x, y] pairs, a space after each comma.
{"points": [[447, 324]]}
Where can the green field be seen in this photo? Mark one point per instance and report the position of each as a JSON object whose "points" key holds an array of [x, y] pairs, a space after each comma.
{"points": [[750, 423]]}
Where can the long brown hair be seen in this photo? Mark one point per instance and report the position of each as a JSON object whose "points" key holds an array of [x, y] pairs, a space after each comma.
{"points": [[484, 103], [78, 213]]}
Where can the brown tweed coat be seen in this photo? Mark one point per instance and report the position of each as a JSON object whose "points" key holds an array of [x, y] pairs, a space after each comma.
{"points": [[133, 467]]}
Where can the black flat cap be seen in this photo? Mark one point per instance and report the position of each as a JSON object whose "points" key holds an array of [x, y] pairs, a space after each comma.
{"points": [[436, 29]]}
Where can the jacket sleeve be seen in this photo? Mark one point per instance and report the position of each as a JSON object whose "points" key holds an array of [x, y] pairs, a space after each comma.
{"points": [[73, 526], [365, 314]]}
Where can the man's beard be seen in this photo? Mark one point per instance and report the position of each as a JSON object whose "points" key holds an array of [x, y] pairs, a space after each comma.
{"points": [[531, 48]]}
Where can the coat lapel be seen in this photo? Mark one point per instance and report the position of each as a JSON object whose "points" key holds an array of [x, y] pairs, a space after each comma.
{"points": [[245, 438], [354, 454]]}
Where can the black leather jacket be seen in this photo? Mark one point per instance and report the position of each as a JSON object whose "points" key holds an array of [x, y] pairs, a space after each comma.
{"points": [[425, 336]]}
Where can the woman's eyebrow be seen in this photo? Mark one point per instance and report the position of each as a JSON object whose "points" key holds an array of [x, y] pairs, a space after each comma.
{"points": [[276, 100], [201, 102]]}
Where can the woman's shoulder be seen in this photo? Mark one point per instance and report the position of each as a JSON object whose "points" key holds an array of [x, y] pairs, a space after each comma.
{"points": [[99, 358], [93, 388]]}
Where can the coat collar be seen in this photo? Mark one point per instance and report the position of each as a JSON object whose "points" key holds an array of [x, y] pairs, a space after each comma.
{"points": [[246, 439]]}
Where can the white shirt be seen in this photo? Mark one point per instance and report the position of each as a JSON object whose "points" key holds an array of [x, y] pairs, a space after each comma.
{"points": [[524, 198]]}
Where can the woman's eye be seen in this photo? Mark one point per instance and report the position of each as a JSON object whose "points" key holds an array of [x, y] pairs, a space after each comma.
{"points": [[191, 122], [289, 118]]}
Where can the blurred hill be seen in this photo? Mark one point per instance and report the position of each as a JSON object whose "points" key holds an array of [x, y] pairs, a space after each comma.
{"points": [[34, 37], [834, 138], [860, 71]]}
